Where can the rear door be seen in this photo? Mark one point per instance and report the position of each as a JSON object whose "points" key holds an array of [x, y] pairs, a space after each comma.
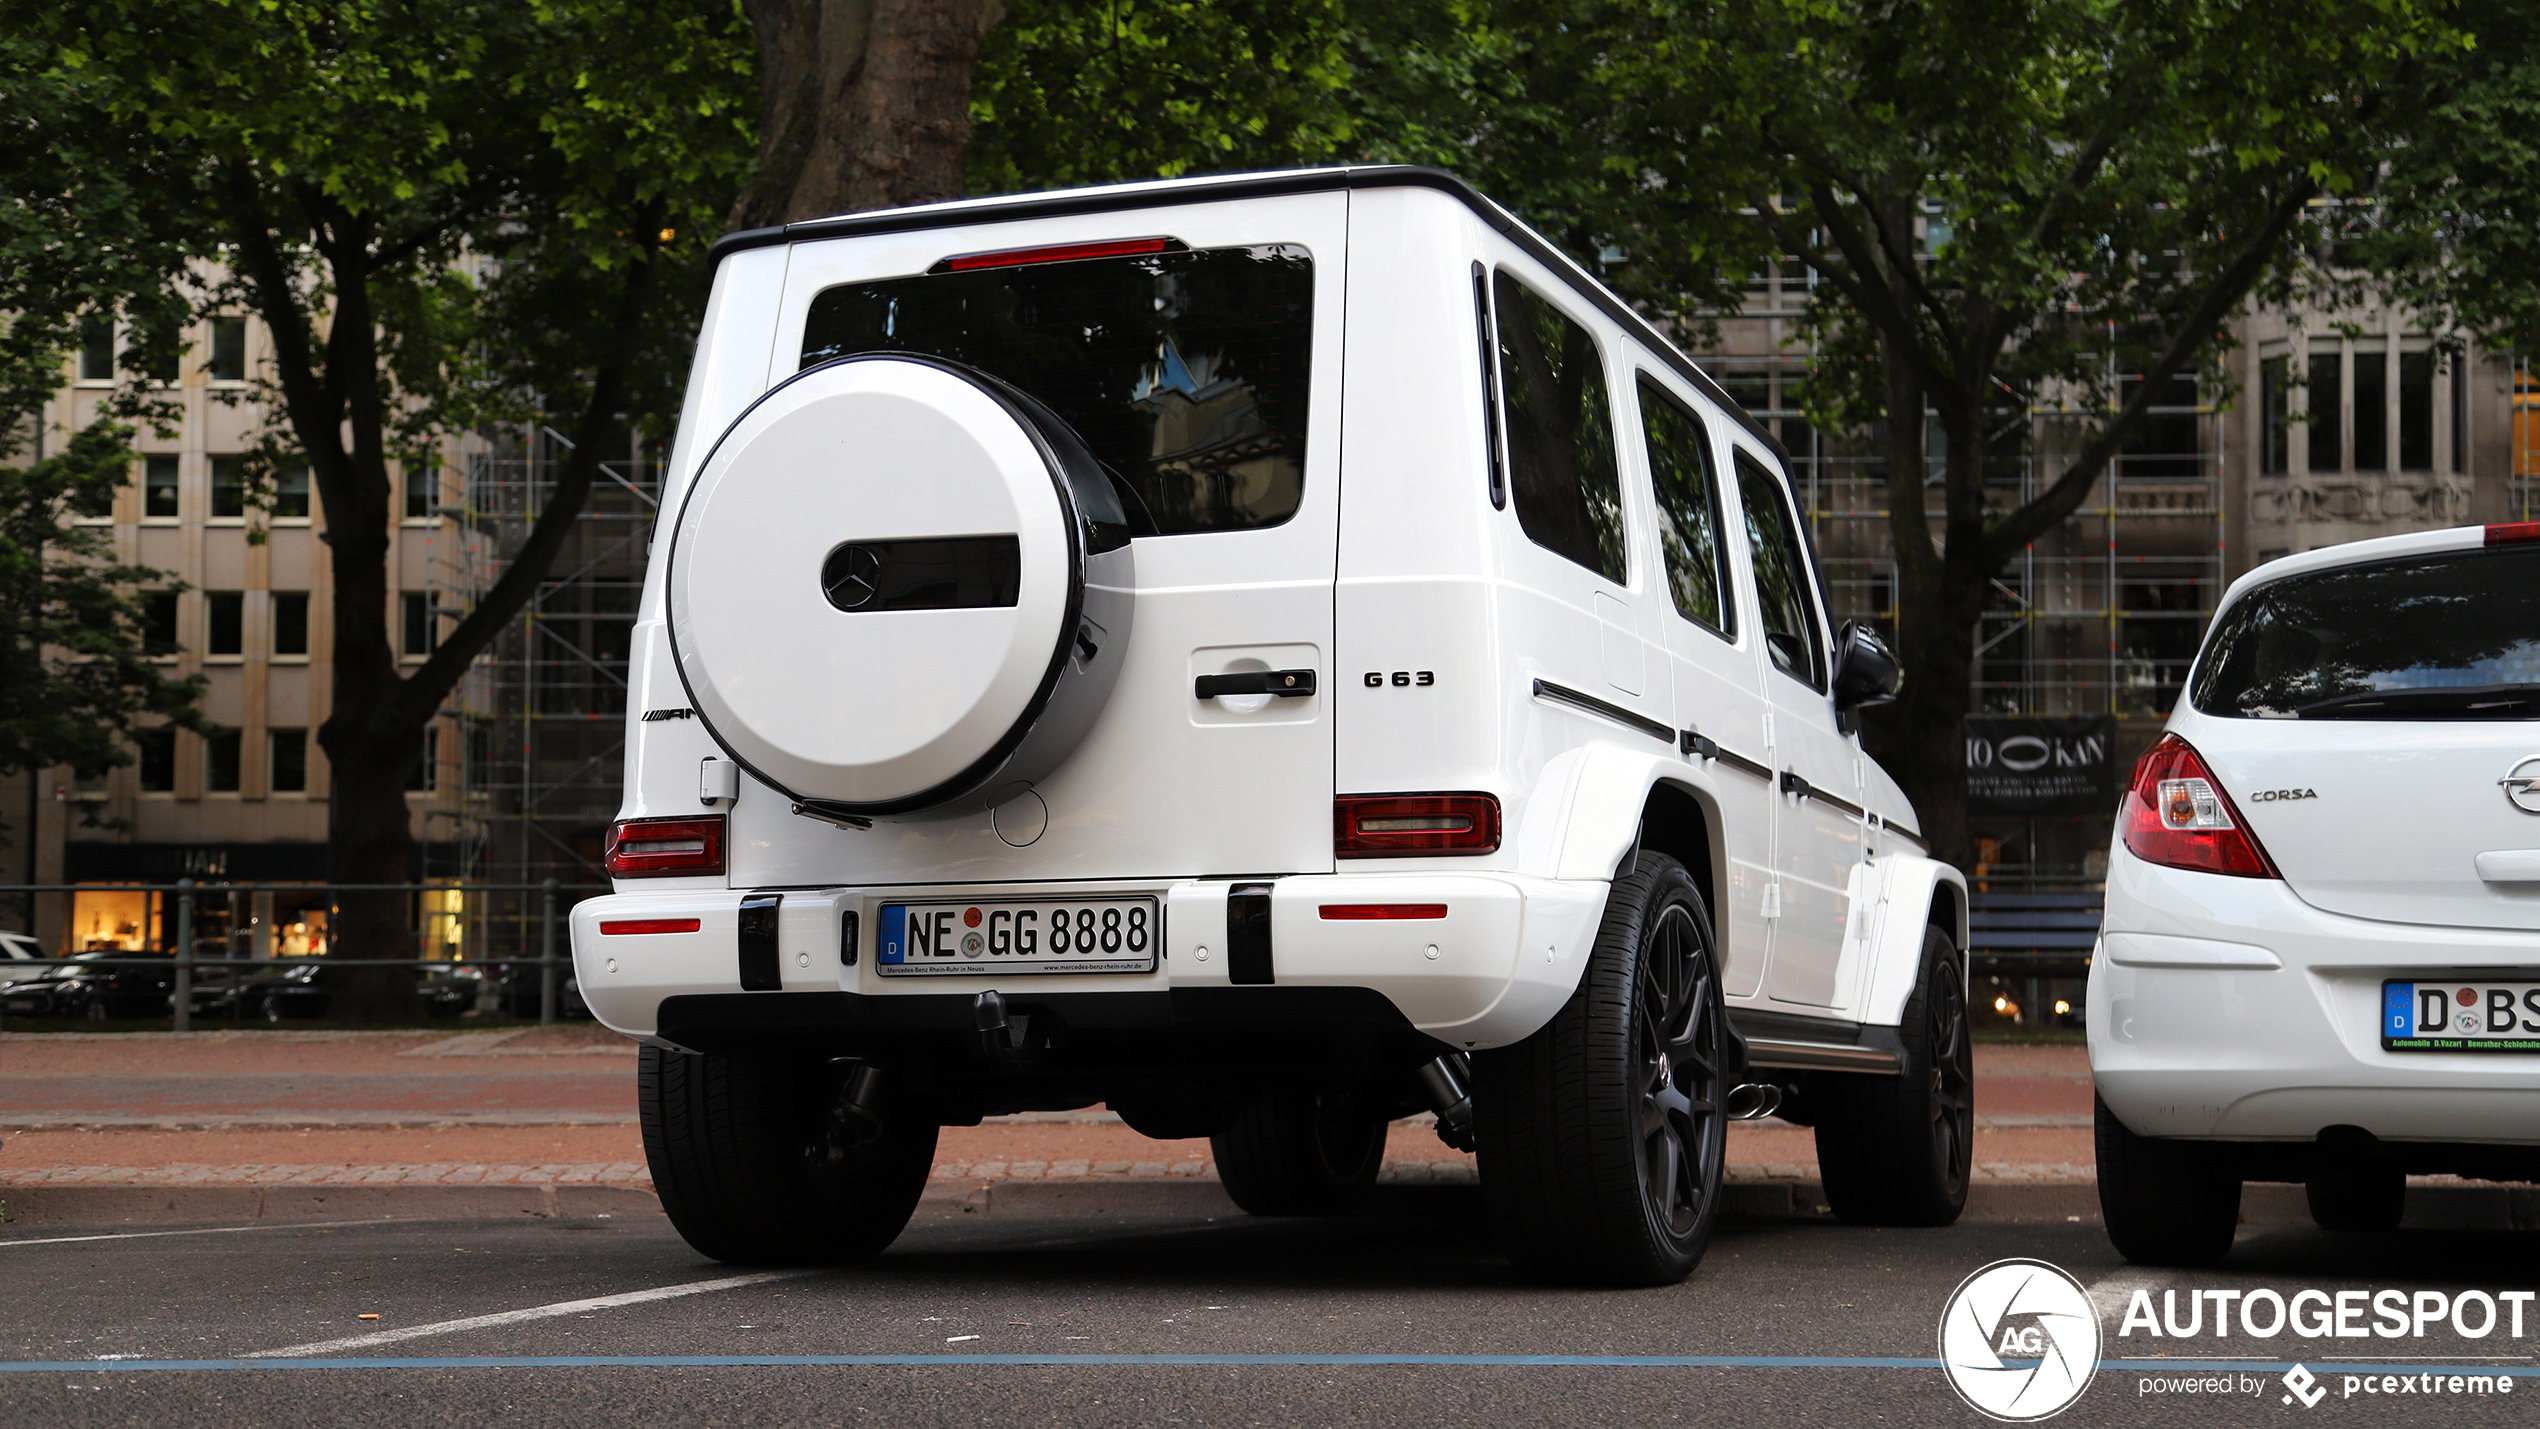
{"points": [[1201, 359], [1712, 658], [2378, 726]]}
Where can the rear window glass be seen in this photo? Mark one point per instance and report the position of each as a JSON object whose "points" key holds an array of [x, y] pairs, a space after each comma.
{"points": [[2450, 636], [1560, 432], [1185, 372]]}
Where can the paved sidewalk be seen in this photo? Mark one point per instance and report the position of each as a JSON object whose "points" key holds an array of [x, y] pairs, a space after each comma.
{"points": [[555, 1106]]}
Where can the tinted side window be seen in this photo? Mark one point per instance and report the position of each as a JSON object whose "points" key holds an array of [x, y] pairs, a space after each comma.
{"points": [[1688, 508], [1186, 372], [1788, 613], [1560, 432]]}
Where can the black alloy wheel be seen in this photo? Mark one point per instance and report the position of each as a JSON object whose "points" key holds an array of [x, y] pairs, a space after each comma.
{"points": [[1601, 1138], [1898, 1150], [1677, 1041]]}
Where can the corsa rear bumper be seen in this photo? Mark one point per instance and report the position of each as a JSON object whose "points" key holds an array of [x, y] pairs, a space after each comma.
{"points": [[1494, 969], [2229, 1009]]}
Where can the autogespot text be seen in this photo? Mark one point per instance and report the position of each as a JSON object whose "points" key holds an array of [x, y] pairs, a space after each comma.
{"points": [[2326, 1314]]}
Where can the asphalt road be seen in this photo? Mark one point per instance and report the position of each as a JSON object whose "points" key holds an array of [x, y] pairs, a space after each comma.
{"points": [[1086, 1275]]}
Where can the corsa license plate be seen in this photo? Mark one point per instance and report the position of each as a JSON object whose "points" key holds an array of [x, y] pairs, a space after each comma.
{"points": [[1075, 935], [2473, 1015]]}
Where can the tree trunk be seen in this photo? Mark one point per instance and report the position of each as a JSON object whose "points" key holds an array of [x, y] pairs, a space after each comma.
{"points": [[863, 104]]}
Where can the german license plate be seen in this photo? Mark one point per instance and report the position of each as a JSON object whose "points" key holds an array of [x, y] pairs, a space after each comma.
{"points": [[1075, 935], [2473, 1015]]}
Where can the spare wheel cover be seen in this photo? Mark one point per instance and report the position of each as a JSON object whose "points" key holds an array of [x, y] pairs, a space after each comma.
{"points": [[875, 583]]}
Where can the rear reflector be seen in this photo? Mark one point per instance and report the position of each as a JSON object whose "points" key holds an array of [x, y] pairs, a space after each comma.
{"points": [[1411, 825], [664, 848], [2177, 814], [1381, 912], [1057, 253], [618, 927], [2506, 533]]}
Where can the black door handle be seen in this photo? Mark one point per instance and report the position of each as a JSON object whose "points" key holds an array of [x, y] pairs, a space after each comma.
{"points": [[1286, 684]]}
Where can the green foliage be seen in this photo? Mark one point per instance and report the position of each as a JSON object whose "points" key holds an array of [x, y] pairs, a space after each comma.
{"points": [[76, 673], [2457, 231]]}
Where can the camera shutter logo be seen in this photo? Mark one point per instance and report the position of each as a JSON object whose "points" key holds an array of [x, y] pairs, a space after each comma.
{"points": [[2019, 1340]]}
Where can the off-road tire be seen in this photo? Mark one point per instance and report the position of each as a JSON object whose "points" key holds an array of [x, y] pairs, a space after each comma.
{"points": [[1897, 1151], [1602, 1138], [1300, 1153], [2165, 1202], [741, 1154], [2366, 1199]]}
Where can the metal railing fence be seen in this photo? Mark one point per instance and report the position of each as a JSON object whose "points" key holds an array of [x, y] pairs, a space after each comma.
{"points": [[185, 954]]}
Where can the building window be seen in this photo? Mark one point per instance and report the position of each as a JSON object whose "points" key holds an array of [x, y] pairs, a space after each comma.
{"points": [[2167, 440], [229, 487], [2372, 411], [291, 622], [220, 761], [2275, 451], [226, 632], [290, 761], [165, 346], [2416, 411], [2460, 412], [418, 622], [291, 494], [157, 748], [2324, 391], [421, 487], [158, 621], [158, 487], [97, 350], [424, 772], [229, 350]]}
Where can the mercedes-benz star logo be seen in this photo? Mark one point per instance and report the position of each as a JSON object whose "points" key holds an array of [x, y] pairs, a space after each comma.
{"points": [[2522, 785], [851, 577]]}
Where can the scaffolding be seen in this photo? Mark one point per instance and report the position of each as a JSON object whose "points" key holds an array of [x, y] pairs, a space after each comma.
{"points": [[2101, 615], [538, 722]]}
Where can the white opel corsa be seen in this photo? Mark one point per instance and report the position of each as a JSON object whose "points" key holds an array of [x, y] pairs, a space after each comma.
{"points": [[2321, 960]]}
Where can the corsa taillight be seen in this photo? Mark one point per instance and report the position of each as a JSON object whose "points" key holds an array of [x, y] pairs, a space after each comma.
{"points": [[2177, 815], [664, 848], [1411, 825]]}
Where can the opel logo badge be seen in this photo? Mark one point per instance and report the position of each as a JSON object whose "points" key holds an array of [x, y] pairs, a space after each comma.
{"points": [[851, 577], [2522, 785]]}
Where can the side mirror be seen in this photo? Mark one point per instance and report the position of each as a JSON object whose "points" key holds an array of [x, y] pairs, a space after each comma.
{"points": [[1865, 670]]}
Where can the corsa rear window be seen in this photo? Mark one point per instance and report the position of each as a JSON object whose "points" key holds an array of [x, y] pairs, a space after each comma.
{"points": [[2449, 636], [1184, 371]]}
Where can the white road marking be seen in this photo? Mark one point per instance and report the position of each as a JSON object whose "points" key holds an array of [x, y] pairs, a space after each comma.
{"points": [[2113, 1293], [213, 1230], [514, 1317]]}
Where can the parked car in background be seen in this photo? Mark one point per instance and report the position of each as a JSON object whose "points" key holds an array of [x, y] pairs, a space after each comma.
{"points": [[260, 992], [2321, 960], [96, 986], [21, 957]]}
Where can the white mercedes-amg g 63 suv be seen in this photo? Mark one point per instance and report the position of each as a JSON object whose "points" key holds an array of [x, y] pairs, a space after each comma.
{"points": [[1269, 655], [2321, 959]]}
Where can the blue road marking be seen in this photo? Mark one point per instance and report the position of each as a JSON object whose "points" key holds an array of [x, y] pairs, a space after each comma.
{"points": [[1065, 1361]]}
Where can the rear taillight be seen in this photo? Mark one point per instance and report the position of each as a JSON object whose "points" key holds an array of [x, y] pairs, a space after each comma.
{"points": [[1410, 825], [2177, 814], [2506, 533], [621, 927], [664, 848]]}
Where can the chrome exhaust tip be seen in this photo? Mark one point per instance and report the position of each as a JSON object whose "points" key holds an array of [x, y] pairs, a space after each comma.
{"points": [[1751, 1101]]}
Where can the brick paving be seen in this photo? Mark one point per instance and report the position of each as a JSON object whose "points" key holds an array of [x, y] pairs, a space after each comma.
{"points": [[531, 1107]]}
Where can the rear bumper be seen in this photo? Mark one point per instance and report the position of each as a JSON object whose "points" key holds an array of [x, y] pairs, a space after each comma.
{"points": [[2228, 1009], [1495, 968]]}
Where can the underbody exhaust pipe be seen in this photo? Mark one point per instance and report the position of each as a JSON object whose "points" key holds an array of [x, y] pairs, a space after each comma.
{"points": [[1448, 1081], [1753, 1101], [855, 1119]]}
